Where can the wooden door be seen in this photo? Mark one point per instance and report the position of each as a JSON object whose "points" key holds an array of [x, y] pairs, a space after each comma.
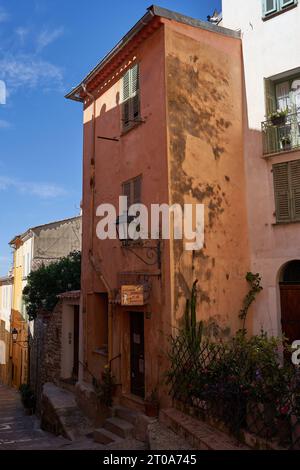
{"points": [[137, 354], [290, 311]]}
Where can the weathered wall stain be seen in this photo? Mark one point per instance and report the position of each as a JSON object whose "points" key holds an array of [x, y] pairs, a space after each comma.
{"points": [[204, 128]]}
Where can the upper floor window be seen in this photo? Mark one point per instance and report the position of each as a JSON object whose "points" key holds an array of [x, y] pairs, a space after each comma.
{"points": [[287, 191], [281, 131], [132, 189], [270, 7], [131, 98]]}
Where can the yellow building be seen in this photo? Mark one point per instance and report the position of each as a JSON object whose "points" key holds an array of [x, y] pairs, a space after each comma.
{"points": [[5, 330], [19, 321]]}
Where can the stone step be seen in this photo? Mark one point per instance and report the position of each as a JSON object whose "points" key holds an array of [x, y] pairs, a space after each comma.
{"points": [[126, 414], [198, 434], [119, 427], [103, 436]]}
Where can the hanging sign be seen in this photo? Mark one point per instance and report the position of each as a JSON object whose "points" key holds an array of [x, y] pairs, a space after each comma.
{"points": [[132, 296]]}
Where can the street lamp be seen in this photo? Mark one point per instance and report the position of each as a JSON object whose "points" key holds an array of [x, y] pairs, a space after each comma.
{"points": [[14, 335], [151, 254]]}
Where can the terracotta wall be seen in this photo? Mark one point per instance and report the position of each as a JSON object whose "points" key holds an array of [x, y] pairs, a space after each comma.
{"points": [[205, 115]]}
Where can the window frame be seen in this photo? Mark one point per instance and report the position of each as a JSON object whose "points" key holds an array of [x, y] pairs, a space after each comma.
{"points": [[279, 8]]}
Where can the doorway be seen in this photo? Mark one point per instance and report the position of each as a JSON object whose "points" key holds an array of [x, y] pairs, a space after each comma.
{"points": [[290, 301], [137, 354]]}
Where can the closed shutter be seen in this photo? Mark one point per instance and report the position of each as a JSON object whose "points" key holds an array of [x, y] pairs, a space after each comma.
{"points": [[281, 189], [269, 6], [295, 188]]}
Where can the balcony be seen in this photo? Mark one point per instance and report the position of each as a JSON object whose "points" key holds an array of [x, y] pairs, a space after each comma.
{"points": [[282, 135]]}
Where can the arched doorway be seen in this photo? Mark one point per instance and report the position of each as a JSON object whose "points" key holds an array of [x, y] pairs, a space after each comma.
{"points": [[290, 300]]}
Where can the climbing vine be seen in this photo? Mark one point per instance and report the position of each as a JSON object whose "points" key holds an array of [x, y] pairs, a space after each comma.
{"points": [[254, 280]]}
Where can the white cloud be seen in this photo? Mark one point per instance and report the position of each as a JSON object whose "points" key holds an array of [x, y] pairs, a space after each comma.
{"points": [[42, 190], [47, 37], [4, 124], [4, 16], [25, 70]]}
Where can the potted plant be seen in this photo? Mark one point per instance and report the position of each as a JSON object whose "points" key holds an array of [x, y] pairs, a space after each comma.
{"points": [[286, 142], [278, 118], [152, 404]]}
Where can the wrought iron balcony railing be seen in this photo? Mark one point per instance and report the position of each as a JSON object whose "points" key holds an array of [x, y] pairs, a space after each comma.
{"points": [[281, 134]]}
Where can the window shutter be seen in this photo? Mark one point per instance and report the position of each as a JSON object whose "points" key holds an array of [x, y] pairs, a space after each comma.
{"points": [[281, 189], [127, 192], [137, 190], [295, 188], [269, 6], [126, 86], [135, 80]]}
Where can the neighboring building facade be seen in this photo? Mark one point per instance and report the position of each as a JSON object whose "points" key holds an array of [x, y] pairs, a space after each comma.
{"points": [[271, 36], [39, 245], [170, 99], [5, 336]]}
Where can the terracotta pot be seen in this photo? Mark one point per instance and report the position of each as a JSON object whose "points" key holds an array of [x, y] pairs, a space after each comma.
{"points": [[151, 409]]}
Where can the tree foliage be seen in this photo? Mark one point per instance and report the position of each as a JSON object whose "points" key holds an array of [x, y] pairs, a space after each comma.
{"points": [[47, 282]]}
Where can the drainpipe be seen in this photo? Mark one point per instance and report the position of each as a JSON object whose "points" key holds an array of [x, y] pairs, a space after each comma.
{"points": [[91, 249]]}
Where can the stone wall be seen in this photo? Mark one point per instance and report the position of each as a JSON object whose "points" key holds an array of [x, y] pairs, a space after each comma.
{"points": [[45, 350]]}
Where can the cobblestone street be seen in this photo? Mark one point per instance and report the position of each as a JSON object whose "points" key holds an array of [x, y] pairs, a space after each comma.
{"points": [[19, 431]]}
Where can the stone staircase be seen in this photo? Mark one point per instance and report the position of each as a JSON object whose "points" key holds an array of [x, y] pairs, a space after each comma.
{"points": [[122, 425]]}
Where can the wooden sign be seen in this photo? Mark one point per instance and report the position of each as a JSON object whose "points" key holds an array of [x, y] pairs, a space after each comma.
{"points": [[132, 296]]}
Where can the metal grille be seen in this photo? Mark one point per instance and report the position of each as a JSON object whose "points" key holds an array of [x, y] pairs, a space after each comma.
{"points": [[216, 382]]}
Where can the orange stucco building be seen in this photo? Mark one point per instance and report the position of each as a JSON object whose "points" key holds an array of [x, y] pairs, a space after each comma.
{"points": [[163, 123]]}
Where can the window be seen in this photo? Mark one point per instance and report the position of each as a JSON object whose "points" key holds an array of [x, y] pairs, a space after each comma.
{"points": [[131, 98], [287, 191], [132, 189], [270, 7]]}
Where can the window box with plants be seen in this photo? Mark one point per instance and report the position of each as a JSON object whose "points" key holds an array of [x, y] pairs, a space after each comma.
{"points": [[278, 118]]}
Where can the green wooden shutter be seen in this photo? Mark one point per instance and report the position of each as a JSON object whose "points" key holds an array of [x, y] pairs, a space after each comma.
{"points": [[271, 140], [281, 190], [126, 86], [294, 168]]}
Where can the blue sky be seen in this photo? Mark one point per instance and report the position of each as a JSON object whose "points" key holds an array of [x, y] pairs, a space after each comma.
{"points": [[46, 47]]}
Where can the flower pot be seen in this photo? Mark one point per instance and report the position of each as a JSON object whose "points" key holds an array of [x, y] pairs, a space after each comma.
{"points": [[151, 409], [278, 120]]}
